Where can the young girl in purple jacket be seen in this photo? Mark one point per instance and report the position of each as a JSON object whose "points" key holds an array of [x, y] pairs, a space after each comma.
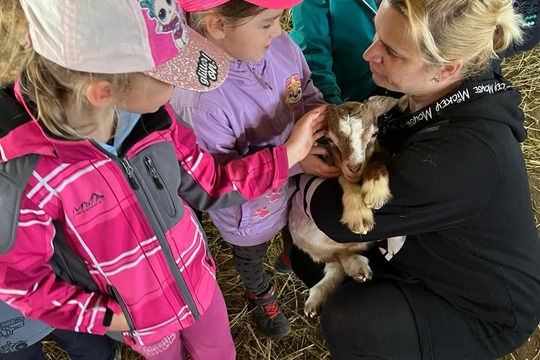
{"points": [[267, 90]]}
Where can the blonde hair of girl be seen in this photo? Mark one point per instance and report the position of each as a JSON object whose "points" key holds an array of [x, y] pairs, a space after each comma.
{"points": [[50, 86]]}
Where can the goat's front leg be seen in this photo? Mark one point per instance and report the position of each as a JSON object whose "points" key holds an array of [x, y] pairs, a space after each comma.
{"points": [[375, 187], [356, 215], [318, 294]]}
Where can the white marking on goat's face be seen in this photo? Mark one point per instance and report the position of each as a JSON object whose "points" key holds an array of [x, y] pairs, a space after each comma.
{"points": [[354, 128], [351, 129]]}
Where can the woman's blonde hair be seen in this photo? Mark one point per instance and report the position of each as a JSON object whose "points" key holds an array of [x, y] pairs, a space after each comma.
{"points": [[470, 30], [47, 84], [233, 11]]}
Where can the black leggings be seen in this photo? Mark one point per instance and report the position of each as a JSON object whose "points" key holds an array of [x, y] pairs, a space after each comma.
{"points": [[248, 262], [376, 320]]}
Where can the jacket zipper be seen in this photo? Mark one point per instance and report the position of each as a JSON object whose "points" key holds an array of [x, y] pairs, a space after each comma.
{"points": [[267, 86], [129, 172], [259, 79], [149, 163], [159, 232], [164, 194]]}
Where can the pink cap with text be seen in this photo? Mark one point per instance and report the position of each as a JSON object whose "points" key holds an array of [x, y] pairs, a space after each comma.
{"points": [[202, 5], [123, 36]]}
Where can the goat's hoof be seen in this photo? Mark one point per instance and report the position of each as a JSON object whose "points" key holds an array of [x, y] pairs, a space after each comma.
{"points": [[364, 276], [311, 310], [374, 201], [314, 302], [361, 278], [375, 204], [361, 227], [359, 221], [376, 194]]}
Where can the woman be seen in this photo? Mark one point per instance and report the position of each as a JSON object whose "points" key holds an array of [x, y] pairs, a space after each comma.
{"points": [[457, 274]]}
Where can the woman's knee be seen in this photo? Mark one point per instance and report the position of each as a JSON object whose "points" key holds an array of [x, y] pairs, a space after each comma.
{"points": [[344, 318], [360, 320]]}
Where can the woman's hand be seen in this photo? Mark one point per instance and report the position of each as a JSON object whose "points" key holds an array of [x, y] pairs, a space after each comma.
{"points": [[119, 323], [308, 129], [314, 165]]}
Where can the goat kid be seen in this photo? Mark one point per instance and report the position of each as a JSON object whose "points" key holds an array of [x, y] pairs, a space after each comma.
{"points": [[351, 132]]}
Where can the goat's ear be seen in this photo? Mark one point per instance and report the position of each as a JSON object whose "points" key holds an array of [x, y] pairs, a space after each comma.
{"points": [[332, 109], [381, 104]]}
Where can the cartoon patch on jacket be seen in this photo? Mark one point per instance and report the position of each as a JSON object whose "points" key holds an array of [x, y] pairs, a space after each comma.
{"points": [[293, 90], [7, 330], [8, 327], [169, 20]]}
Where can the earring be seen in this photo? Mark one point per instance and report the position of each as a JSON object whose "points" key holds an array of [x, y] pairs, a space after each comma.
{"points": [[436, 79]]}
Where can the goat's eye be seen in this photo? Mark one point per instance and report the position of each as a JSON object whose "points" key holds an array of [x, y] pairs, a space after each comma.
{"points": [[374, 134]]}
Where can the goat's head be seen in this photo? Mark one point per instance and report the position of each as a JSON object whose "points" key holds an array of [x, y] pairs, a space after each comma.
{"points": [[352, 131]]}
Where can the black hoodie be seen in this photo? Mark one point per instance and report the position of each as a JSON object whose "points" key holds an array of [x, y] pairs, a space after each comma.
{"points": [[460, 223]]}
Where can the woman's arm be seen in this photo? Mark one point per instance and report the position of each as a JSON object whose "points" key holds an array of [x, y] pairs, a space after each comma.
{"points": [[436, 184]]}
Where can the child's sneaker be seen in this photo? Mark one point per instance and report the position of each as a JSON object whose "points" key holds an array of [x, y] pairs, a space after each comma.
{"points": [[282, 264], [268, 315]]}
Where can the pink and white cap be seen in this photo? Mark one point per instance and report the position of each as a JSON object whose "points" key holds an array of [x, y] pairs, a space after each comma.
{"points": [[202, 5], [123, 36]]}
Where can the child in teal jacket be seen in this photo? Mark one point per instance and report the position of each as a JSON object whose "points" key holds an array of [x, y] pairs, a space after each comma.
{"points": [[333, 35]]}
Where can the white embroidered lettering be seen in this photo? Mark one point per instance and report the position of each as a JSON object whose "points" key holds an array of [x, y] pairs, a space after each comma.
{"points": [[425, 115], [456, 98]]}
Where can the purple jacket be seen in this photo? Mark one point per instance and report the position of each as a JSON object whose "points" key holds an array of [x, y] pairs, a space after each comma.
{"points": [[255, 108]]}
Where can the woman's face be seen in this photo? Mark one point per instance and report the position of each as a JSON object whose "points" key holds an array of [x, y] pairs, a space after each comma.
{"points": [[394, 62]]}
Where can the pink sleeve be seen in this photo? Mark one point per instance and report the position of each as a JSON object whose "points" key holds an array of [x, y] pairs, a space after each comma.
{"points": [[252, 176], [28, 283]]}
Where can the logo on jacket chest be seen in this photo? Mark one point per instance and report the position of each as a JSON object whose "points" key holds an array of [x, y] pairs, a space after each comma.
{"points": [[95, 200], [293, 91]]}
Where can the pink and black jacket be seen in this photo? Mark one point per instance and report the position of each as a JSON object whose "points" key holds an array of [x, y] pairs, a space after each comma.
{"points": [[126, 217]]}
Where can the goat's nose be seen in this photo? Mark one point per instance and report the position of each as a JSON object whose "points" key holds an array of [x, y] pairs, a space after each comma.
{"points": [[354, 167]]}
